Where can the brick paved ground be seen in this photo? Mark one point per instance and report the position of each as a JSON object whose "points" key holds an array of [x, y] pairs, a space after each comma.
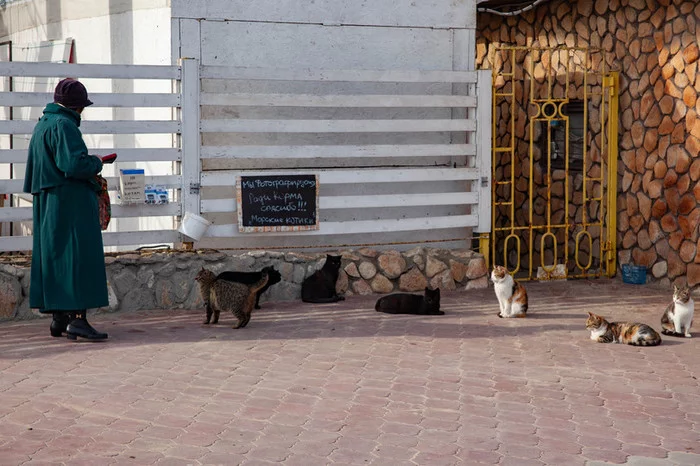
{"points": [[341, 384]]}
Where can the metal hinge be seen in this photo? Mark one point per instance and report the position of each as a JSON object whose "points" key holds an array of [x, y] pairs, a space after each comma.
{"points": [[484, 181], [194, 188]]}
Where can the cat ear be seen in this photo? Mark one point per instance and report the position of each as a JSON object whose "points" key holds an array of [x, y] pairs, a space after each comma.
{"points": [[591, 314]]}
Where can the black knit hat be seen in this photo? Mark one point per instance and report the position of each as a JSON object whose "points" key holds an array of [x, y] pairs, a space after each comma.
{"points": [[72, 94]]}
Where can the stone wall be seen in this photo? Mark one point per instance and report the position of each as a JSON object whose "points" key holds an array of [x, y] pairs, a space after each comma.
{"points": [[654, 46], [165, 280]]}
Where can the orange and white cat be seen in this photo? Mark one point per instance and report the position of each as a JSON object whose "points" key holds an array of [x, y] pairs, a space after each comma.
{"points": [[512, 297], [678, 316], [628, 333]]}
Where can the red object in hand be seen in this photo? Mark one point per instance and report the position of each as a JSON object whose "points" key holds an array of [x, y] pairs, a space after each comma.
{"points": [[109, 158]]}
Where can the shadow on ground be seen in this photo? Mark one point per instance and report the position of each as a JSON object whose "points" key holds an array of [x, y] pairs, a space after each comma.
{"points": [[556, 308]]}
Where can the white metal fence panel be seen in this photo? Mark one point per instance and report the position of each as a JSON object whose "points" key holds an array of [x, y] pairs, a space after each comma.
{"points": [[21, 211], [394, 163]]}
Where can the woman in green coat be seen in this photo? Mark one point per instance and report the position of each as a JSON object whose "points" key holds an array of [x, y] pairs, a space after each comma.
{"points": [[68, 269]]}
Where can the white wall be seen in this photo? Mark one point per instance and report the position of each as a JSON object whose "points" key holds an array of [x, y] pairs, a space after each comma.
{"points": [[104, 31], [331, 34]]}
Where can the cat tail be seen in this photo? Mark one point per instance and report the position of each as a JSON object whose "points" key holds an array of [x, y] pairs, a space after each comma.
{"points": [[648, 337]]}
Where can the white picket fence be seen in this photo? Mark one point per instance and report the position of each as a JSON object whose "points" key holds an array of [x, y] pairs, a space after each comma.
{"points": [[400, 155], [91, 127]]}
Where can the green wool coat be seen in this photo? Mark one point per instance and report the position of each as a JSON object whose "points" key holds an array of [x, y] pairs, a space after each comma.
{"points": [[68, 267]]}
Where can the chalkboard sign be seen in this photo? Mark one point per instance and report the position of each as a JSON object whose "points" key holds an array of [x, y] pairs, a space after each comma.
{"points": [[277, 203]]}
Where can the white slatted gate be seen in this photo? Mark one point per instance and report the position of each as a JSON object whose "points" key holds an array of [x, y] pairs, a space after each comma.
{"points": [[398, 157], [402, 156]]}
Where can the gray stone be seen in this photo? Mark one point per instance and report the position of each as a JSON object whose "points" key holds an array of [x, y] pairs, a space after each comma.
{"points": [[479, 283], [113, 299], [299, 273], [182, 283], [434, 266], [129, 259], [12, 270], [351, 270], [146, 276], [169, 268], [367, 270], [286, 270], [213, 257], [444, 281], [137, 299], [194, 300], [125, 281], [283, 291], [169, 293], [110, 260], [381, 284], [10, 295]]}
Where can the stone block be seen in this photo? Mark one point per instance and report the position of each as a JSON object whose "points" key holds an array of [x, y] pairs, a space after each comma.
{"points": [[693, 274], [434, 266], [126, 280], [659, 269], [413, 280], [381, 284], [479, 283], [444, 281], [476, 268], [458, 270], [367, 270], [10, 295], [352, 271], [343, 282], [361, 287], [391, 265]]}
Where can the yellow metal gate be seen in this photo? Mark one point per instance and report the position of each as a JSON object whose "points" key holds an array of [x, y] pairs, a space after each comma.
{"points": [[555, 119]]}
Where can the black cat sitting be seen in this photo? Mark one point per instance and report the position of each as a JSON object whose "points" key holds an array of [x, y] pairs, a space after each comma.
{"points": [[405, 303], [320, 287], [249, 278]]}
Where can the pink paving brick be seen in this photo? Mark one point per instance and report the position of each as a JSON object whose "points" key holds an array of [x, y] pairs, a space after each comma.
{"points": [[468, 388]]}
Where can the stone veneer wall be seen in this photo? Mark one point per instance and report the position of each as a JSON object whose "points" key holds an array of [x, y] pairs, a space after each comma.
{"points": [[165, 280], [654, 45]]}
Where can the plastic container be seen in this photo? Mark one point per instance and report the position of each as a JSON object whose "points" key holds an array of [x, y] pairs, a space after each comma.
{"points": [[634, 274], [194, 226]]}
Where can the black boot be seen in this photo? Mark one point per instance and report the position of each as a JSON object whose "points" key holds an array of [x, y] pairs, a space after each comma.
{"points": [[79, 327], [59, 323]]}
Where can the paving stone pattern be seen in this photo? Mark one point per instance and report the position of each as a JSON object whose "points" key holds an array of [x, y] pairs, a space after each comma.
{"points": [[342, 384]]}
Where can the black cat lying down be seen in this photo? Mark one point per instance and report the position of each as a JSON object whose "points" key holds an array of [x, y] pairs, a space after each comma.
{"points": [[248, 278], [405, 303]]}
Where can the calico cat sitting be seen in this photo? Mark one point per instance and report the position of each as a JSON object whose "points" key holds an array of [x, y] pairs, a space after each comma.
{"points": [[248, 278], [512, 297], [678, 316], [406, 303], [222, 295], [621, 332], [320, 286]]}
